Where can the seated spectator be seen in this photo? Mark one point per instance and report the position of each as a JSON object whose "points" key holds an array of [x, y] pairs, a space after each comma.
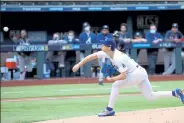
{"points": [[124, 38], [153, 37], [173, 35], [70, 59], [55, 59], [25, 58], [86, 37], [138, 38]]}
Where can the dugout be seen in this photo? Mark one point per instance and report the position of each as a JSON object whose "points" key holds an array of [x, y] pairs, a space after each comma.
{"points": [[51, 22]]}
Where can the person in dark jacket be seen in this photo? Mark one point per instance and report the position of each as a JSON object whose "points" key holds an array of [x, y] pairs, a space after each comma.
{"points": [[55, 59], [138, 38], [173, 35], [86, 37], [25, 58], [70, 38], [153, 37], [70, 58], [104, 34], [124, 37]]}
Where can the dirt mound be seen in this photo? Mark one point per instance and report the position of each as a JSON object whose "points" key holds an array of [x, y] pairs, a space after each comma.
{"points": [[167, 115]]}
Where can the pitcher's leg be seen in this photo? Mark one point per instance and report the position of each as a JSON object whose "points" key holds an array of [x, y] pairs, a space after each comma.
{"points": [[146, 89], [115, 92], [100, 79]]}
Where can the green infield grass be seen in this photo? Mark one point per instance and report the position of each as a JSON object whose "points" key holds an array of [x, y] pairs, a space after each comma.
{"points": [[77, 89], [30, 111]]}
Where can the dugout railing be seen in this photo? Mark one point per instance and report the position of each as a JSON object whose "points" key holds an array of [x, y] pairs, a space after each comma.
{"points": [[42, 49]]}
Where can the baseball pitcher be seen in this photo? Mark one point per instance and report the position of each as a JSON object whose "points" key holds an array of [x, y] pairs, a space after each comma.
{"points": [[130, 74]]}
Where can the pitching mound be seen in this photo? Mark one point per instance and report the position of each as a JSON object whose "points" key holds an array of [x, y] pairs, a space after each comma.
{"points": [[167, 115]]}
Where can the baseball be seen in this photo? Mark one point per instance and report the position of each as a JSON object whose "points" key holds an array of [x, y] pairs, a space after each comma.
{"points": [[6, 29]]}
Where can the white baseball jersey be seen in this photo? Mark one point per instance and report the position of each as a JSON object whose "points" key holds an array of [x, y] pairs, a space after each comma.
{"points": [[120, 61]]}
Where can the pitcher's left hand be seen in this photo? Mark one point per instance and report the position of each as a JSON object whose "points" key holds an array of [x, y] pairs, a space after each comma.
{"points": [[109, 79]]}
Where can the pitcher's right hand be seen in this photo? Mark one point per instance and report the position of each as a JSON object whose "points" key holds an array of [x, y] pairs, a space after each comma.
{"points": [[75, 68]]}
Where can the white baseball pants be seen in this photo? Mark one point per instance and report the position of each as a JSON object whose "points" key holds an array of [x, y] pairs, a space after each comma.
{"points": [[138, 77]]}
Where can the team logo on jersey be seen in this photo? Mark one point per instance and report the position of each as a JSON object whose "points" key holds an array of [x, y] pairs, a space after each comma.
{"points": [[116, 67], [123, 65]]}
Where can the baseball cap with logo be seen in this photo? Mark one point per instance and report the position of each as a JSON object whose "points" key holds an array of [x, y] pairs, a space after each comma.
{"points": [[105, 27], [85, 24], [175, 25], [109, 43], [138, 34]]}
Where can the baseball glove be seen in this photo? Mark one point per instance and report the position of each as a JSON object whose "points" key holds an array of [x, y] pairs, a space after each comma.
{"points": [[108, 69]]}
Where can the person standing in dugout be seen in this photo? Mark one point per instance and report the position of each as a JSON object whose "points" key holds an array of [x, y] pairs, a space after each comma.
{"points": [[25, 58]]}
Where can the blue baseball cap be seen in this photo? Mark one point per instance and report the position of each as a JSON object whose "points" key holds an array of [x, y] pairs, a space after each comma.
{"points": [[85, 24], [175, 25], [137, 34], [109, 43], [105, 27]]}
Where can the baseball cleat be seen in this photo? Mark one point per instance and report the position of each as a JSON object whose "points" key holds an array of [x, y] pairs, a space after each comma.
{"points": [[101, 84], [106, 113], [179, 94]]}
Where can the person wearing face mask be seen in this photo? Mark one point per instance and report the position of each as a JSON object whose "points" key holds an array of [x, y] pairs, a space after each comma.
{"points": [[70, 58], [70, 38], [102, 36], [173, 35], [86, 37], [153, 37], [55, 59]]}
